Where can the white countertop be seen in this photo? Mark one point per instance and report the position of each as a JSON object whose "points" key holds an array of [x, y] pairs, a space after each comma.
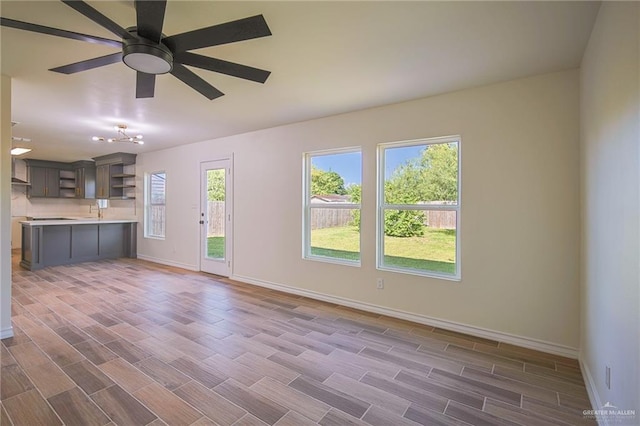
{"points": [[75, 221]]}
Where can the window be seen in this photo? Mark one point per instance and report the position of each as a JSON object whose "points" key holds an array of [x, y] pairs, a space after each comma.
{"points": [[155, 206], [419, 207], [331, 220]]}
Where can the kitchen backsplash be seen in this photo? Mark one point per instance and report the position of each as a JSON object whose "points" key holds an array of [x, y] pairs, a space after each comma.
{"points": [[22, 206]]}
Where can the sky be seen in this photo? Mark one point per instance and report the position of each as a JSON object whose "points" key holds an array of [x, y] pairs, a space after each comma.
{"points": [[349, 165]]}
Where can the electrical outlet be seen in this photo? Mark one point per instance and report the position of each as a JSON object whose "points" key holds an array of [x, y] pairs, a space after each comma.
{"points": [[380, 283], [607, 376]]}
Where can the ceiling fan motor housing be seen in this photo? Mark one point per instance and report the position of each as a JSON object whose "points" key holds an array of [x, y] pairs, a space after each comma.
{"points": [[146, 56]]}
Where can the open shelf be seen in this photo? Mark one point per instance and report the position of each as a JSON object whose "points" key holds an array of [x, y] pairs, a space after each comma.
{"points": [[122, 181]]}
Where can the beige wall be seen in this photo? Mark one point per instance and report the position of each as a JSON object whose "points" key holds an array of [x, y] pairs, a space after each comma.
{"points": [[5, 207], [519, 232], [610, 157]]}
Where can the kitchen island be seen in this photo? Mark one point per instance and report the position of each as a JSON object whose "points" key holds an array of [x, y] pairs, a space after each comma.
{"points": [[65, 241]]}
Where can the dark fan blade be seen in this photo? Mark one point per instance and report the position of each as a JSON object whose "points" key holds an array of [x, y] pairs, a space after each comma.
{"points": [[150, 15], [198, 84], [224, 67], [89, 64], [6, 22], [242, 29], [145, 85], [97, 17]]}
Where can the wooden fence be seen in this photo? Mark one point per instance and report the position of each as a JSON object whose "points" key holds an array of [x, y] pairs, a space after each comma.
{"points": [[215, 216], [330, 218], [155, 227], [441, 219], [326, 218]]}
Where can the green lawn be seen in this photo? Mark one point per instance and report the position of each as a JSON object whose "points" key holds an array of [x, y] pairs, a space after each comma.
{"points": [[215, 247], [435, 251]]}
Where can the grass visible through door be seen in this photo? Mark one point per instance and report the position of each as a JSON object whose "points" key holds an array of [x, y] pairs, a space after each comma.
{"points": [[215, 247]]}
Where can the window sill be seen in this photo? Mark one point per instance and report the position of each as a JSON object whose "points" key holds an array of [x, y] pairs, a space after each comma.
{"points": [[331, 260], [419, 273]]}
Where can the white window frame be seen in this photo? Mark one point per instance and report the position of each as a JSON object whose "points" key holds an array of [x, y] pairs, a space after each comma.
{"points": [[148, 204], [382, 206], [307, 206]]}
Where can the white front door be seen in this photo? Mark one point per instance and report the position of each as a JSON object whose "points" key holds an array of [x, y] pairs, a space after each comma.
{"points": [[216, 193]]}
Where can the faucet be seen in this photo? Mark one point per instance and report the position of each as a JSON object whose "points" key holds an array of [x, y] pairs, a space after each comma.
{"points": [[101, 204]]}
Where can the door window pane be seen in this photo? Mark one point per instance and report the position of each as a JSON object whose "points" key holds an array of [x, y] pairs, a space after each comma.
{"points": [[216, 213]]}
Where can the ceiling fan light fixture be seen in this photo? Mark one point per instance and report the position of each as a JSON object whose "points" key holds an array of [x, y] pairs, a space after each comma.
{"points": [[147, 57]]}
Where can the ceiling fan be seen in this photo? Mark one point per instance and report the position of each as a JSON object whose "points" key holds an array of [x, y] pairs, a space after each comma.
{"points": [[147, 50]]}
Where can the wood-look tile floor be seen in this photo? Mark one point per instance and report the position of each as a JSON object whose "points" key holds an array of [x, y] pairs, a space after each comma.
{"points": [[129, 342]]}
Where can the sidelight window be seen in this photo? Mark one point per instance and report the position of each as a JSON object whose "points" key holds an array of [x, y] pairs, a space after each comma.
{"points": [[155, 204]]}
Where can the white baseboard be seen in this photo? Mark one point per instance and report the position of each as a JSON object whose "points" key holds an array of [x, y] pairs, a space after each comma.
{"points": [[168, 262], [592, 391], [540, 345], [6, 333]]}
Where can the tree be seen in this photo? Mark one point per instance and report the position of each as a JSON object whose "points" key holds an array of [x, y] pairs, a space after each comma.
{"points": [[432, 177], [215, 185], [440, 173], [355, 192], [326, 182], [404, 188]]}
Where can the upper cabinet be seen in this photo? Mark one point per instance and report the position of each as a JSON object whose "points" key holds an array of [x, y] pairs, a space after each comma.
{"points": [[115, 177], [102, 181], [85, 179], [111, 176], [45, 178]]}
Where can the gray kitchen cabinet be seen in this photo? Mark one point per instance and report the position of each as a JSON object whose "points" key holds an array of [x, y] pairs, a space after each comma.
{"points": [[85, 176], [50, 243], [103, 181], [115, 176], [110, 176], [45, 182]]}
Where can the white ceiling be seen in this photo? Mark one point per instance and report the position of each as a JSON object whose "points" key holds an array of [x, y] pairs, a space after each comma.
{"points": [[326, 58]]}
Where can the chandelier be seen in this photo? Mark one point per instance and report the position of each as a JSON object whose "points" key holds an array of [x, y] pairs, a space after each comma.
{"points": [[122, 136]]}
